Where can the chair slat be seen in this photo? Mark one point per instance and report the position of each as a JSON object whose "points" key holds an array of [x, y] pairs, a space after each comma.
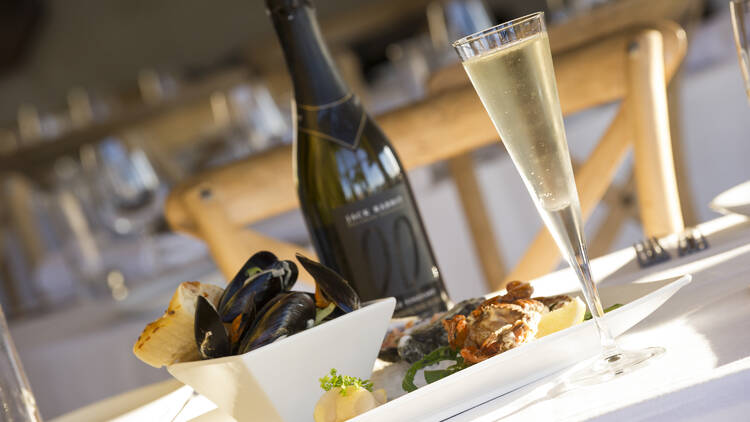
{"points": [[451, 123], [656, 182]]}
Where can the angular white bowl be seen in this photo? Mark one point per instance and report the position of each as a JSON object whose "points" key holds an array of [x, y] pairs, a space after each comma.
{"points": [[279, 382]]}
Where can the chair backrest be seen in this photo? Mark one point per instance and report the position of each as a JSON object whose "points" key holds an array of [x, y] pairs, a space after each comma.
{"points": [[633, 66]]}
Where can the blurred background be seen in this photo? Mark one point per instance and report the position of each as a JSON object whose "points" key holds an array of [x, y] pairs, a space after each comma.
{"points": [[107, 104]]}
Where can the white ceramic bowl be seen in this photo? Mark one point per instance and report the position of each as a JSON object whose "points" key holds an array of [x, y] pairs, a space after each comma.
{"points": [[279, 382]]}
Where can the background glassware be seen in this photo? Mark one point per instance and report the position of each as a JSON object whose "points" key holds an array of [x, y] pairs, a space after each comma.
{"points": [[17, 403], [28, 238], [740, 11], [246, 120], [510, 66], [128, 191], [451, 19]]}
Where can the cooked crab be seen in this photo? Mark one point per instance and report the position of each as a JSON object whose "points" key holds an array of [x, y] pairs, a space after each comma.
{"points": [[500, 323]]}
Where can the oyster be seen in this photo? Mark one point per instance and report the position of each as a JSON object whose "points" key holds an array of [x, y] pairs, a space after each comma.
{"points": [[425, 337]]}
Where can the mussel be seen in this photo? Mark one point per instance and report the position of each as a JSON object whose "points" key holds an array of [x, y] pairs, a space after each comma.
{"points": [[210, 334], [286, 314], [330, 286], [260, 279], [257, 307], [255, 264]]}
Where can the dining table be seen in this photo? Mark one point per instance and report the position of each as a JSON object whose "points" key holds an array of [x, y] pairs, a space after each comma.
{"points": [[703, 375], [705, 328]]}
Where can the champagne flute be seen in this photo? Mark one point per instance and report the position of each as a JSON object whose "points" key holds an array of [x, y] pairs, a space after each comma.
{"points": [[740, 11], [510, 66]]}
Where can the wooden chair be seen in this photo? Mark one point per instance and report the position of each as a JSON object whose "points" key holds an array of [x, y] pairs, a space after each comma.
{"points": [[632, 66]]}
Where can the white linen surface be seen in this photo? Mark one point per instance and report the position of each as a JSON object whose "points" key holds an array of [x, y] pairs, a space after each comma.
{"points": [[704, 373], [704, 328]]}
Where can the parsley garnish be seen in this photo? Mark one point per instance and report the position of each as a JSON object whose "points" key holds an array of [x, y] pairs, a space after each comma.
{"points": [[335, 380], [436, 356]]}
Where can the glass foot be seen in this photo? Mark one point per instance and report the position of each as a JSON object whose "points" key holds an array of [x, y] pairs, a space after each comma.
{"points": [[610, 365]]}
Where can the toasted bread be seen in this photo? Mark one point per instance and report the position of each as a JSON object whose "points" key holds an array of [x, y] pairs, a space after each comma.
{"points": [[171, 339]]}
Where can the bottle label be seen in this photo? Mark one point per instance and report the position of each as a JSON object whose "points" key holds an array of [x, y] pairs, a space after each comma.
{"points": [[388, 252], [341, 121]]}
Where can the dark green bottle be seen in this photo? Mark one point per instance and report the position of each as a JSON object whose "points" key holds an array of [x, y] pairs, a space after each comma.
{"points": [[354, 194]]}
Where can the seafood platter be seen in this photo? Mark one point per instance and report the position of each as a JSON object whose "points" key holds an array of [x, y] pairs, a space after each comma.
{"points": [[261, 350]]}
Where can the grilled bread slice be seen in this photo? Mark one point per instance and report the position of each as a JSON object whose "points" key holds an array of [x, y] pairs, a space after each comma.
{"points": [[171, 339]]}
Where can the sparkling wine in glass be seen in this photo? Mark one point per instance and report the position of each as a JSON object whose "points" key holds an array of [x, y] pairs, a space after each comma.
{"points": [[510, 66]]}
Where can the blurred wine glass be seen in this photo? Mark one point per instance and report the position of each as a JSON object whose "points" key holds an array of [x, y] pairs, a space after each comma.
{"points": [[127, 190], [155, 86], [17, 403], [740, 12], [28, 238], [450, 20], [253, 106], [246, 120], [82, 248], [417, 59]]}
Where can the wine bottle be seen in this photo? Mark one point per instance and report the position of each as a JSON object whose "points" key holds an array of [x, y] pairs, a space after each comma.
{"points": [[358, 206]]}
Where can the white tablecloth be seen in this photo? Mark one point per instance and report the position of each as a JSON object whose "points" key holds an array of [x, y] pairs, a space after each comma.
{"points": [[84, 354], [705, 328]]}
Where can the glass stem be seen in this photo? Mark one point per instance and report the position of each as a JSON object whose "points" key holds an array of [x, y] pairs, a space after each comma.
{"points": [[591, 295]]}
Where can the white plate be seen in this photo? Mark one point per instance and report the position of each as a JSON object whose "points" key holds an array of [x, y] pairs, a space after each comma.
{"points": [[528, 363], [279, 381], [733, 201]]}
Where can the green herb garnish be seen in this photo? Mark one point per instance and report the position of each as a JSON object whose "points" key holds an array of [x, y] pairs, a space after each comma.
{"points": [[436, 356], [334, 380], [587, 316]]}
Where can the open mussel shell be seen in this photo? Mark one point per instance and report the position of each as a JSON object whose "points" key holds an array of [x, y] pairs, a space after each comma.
{"points": [[254, 265], [210, 335], [287, 314], [331, 284], [258, 289]]}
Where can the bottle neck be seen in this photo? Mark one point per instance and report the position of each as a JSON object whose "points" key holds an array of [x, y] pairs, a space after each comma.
{"points": [[314, 76]]}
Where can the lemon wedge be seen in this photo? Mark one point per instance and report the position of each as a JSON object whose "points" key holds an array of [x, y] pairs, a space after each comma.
{"points": [[568, 315]]}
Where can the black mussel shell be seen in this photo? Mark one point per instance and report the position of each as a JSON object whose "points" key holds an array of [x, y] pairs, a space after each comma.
{"points": [[259, 289], [332, 285], [255, 264], [288, 314], [210, 334], [240, 325]]}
